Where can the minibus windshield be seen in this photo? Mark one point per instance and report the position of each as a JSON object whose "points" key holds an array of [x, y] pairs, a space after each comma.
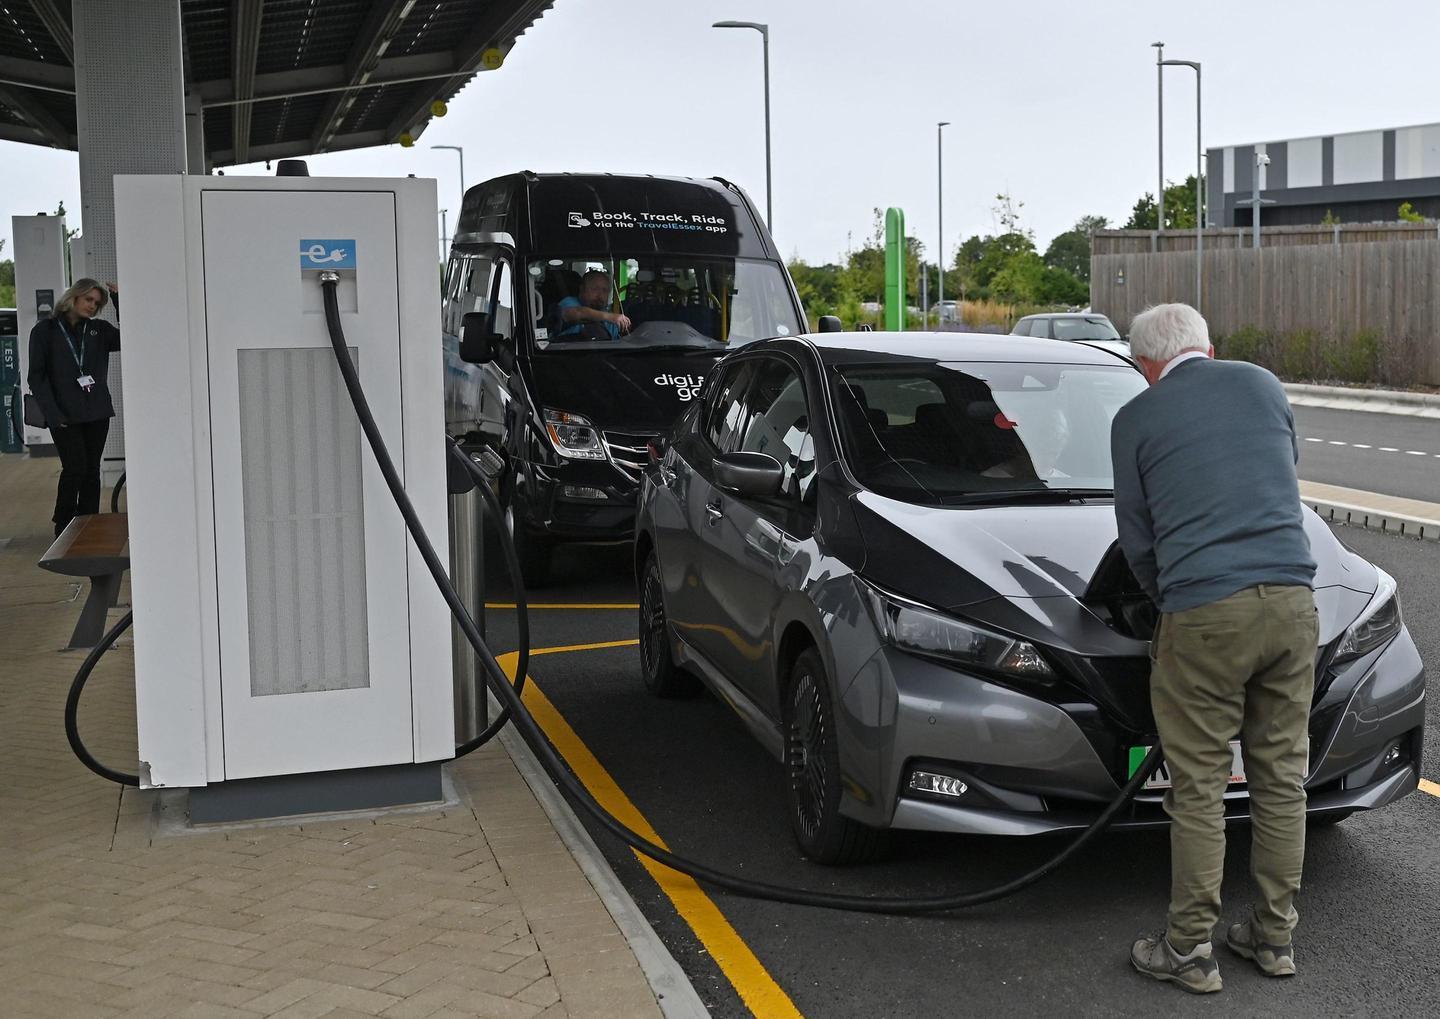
{"points": [[650, 301]]}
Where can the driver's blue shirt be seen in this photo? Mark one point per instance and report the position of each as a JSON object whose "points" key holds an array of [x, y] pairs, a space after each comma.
{"points": [[574, 328]]}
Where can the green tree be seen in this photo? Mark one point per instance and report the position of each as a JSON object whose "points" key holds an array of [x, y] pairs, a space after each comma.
{"points": [[7, 280], [1179, 208], [1070, 251], [1021, 280]]}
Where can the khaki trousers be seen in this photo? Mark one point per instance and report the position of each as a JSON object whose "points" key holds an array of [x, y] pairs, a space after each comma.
{"points": [[1244, 665]]}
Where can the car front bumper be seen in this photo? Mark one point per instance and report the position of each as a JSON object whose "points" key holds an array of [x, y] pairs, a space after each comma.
{"points": [[1029, 766]]}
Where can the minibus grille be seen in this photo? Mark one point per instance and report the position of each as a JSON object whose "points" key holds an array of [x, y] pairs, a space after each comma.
{"points": [[629, 450]]}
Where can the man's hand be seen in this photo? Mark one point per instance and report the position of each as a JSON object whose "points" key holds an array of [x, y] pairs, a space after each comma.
{"points": [[623, 321]]}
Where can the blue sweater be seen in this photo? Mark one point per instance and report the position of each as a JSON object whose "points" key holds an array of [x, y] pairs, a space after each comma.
{"points": [[1206, 497]]}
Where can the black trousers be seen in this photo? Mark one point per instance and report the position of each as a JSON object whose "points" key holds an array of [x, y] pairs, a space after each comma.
{"points": [[80, 448]]}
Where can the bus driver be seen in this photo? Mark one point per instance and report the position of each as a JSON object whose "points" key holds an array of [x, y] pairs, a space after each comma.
{"points": [[585, 317]]}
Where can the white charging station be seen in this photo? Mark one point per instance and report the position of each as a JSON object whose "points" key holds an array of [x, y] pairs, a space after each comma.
{"points": [[284, 622], [40, 279]]}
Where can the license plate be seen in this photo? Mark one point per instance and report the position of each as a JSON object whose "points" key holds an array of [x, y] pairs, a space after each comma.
{"points": [[1160, 779]]}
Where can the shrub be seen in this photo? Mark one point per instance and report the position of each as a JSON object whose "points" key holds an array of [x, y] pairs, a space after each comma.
{"points": [[1248, 343]]}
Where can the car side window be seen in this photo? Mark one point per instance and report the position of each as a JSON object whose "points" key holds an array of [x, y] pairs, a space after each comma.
{"points": [[1039, 327], [777, 422], [725, 415], [1022, 328]]}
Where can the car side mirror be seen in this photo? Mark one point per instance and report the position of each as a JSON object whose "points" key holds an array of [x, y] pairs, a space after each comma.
{"points": [[749, 475], [477, 341], [830, 324]]}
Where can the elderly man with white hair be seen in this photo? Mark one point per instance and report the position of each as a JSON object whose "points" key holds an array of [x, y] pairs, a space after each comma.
{"points": [[1208, 508]]}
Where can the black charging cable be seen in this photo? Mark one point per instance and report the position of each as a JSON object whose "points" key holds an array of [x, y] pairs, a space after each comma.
{"points": [[557, 769], [72, 706]]}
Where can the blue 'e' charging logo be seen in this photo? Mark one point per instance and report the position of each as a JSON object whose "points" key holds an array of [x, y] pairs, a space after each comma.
{"points": [[323, 254]]}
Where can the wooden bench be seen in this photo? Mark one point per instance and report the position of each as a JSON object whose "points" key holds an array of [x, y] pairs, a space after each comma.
{"points": [[98, 548]]}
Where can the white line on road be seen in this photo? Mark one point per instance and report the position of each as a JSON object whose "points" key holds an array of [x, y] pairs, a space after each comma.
{"points": [[1417, 452], [1335, 442], [1361, 445], [1314, 440], [1388, 449]]}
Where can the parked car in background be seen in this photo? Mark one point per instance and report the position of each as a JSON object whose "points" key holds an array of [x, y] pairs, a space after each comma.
{"points": [[1086, 327]]}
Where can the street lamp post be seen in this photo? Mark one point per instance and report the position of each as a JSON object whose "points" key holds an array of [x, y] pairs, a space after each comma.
{"points": [[1199, 215], [764, 31], [1160, 134], [940, 207], [461, 153], [1261, 159]]}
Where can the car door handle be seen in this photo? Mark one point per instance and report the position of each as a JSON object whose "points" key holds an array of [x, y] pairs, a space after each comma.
{"points": [[714, 511]]}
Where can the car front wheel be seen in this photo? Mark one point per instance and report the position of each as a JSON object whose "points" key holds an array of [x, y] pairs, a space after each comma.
{"points": [[812, 771]]}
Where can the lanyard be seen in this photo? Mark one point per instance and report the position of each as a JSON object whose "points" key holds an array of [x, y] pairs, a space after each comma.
{"points": [[79, 354]]}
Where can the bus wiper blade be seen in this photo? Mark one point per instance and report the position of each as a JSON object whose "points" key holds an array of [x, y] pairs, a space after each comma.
{"points": [[672, 348], [1021, 495]]}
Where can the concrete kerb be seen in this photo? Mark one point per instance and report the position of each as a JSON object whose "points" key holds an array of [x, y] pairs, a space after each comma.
{"points": [[1369, 517], [673, 991], [1375, 401]]}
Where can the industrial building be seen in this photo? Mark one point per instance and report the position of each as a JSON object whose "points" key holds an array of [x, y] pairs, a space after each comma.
{"points": [[1359, 177]]}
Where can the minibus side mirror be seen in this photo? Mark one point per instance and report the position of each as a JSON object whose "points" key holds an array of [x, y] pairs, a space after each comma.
{"points": [[477, 341], [749, 475], [830, 324]]}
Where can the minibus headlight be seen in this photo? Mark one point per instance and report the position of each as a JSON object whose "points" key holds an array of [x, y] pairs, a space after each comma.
{"points": [[573, 436]]}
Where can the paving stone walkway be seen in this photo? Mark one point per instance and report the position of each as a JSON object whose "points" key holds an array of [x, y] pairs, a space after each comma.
{"points": [[473, 910]]}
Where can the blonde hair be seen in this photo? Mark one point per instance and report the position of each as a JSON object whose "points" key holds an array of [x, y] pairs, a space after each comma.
{"points": [[80, 286]]}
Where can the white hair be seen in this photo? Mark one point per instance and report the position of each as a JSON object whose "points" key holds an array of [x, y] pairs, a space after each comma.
{"points": [[1162, 331]]}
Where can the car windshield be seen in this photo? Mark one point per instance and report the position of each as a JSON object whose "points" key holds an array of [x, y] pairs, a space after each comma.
{"points": [[648, 302], [942, 433], [1089, 328]]}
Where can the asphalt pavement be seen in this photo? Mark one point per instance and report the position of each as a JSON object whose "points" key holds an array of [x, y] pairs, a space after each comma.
{"points": [[1370, 906], [1393, 454]]}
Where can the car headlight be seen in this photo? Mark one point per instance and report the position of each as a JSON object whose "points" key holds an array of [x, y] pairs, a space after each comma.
{"points": [[919, 630], [1377, 624], [573, 436]]}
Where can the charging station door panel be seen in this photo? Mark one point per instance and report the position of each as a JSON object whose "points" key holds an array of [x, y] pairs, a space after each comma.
{"points": [[310, 550]]}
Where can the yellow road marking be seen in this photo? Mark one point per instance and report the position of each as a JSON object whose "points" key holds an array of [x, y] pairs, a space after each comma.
{"points": [[756, 987], [1427, 786], [564, 605]]}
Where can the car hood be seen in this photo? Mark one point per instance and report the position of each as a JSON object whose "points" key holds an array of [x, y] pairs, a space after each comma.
{"points": [[1028, 568], [634, 392]]}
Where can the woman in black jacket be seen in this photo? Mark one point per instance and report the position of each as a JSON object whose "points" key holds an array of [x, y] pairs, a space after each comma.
{"points": [[69, 368]]}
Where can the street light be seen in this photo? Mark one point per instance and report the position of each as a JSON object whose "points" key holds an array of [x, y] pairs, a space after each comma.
{"points": [[461, 153], [1160, 134], [1199, 217], [764, 31], [1255, 201], [940, 203]]}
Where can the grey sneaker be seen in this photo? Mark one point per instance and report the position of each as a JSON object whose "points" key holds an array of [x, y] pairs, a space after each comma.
{"points": [[1272, 960], [1196, 972]]}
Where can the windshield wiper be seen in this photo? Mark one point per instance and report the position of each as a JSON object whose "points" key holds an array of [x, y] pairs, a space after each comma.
{"points": [[672, 348], [1029, 495]]}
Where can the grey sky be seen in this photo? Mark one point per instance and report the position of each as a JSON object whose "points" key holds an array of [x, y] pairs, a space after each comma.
{"points": [[1052, 101]]}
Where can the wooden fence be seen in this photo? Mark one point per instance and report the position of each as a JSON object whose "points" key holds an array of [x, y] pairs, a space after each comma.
{"points": [[1390, 289], [1122, 242]]}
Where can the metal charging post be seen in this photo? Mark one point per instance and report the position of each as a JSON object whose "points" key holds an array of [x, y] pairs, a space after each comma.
{"points": [[467, 568]]}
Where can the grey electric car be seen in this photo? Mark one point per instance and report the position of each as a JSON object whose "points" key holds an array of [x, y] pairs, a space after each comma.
{"points": [[894, 556]]}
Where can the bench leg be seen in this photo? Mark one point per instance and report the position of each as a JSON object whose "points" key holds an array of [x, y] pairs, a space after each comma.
{"points": [[91, 626]]}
